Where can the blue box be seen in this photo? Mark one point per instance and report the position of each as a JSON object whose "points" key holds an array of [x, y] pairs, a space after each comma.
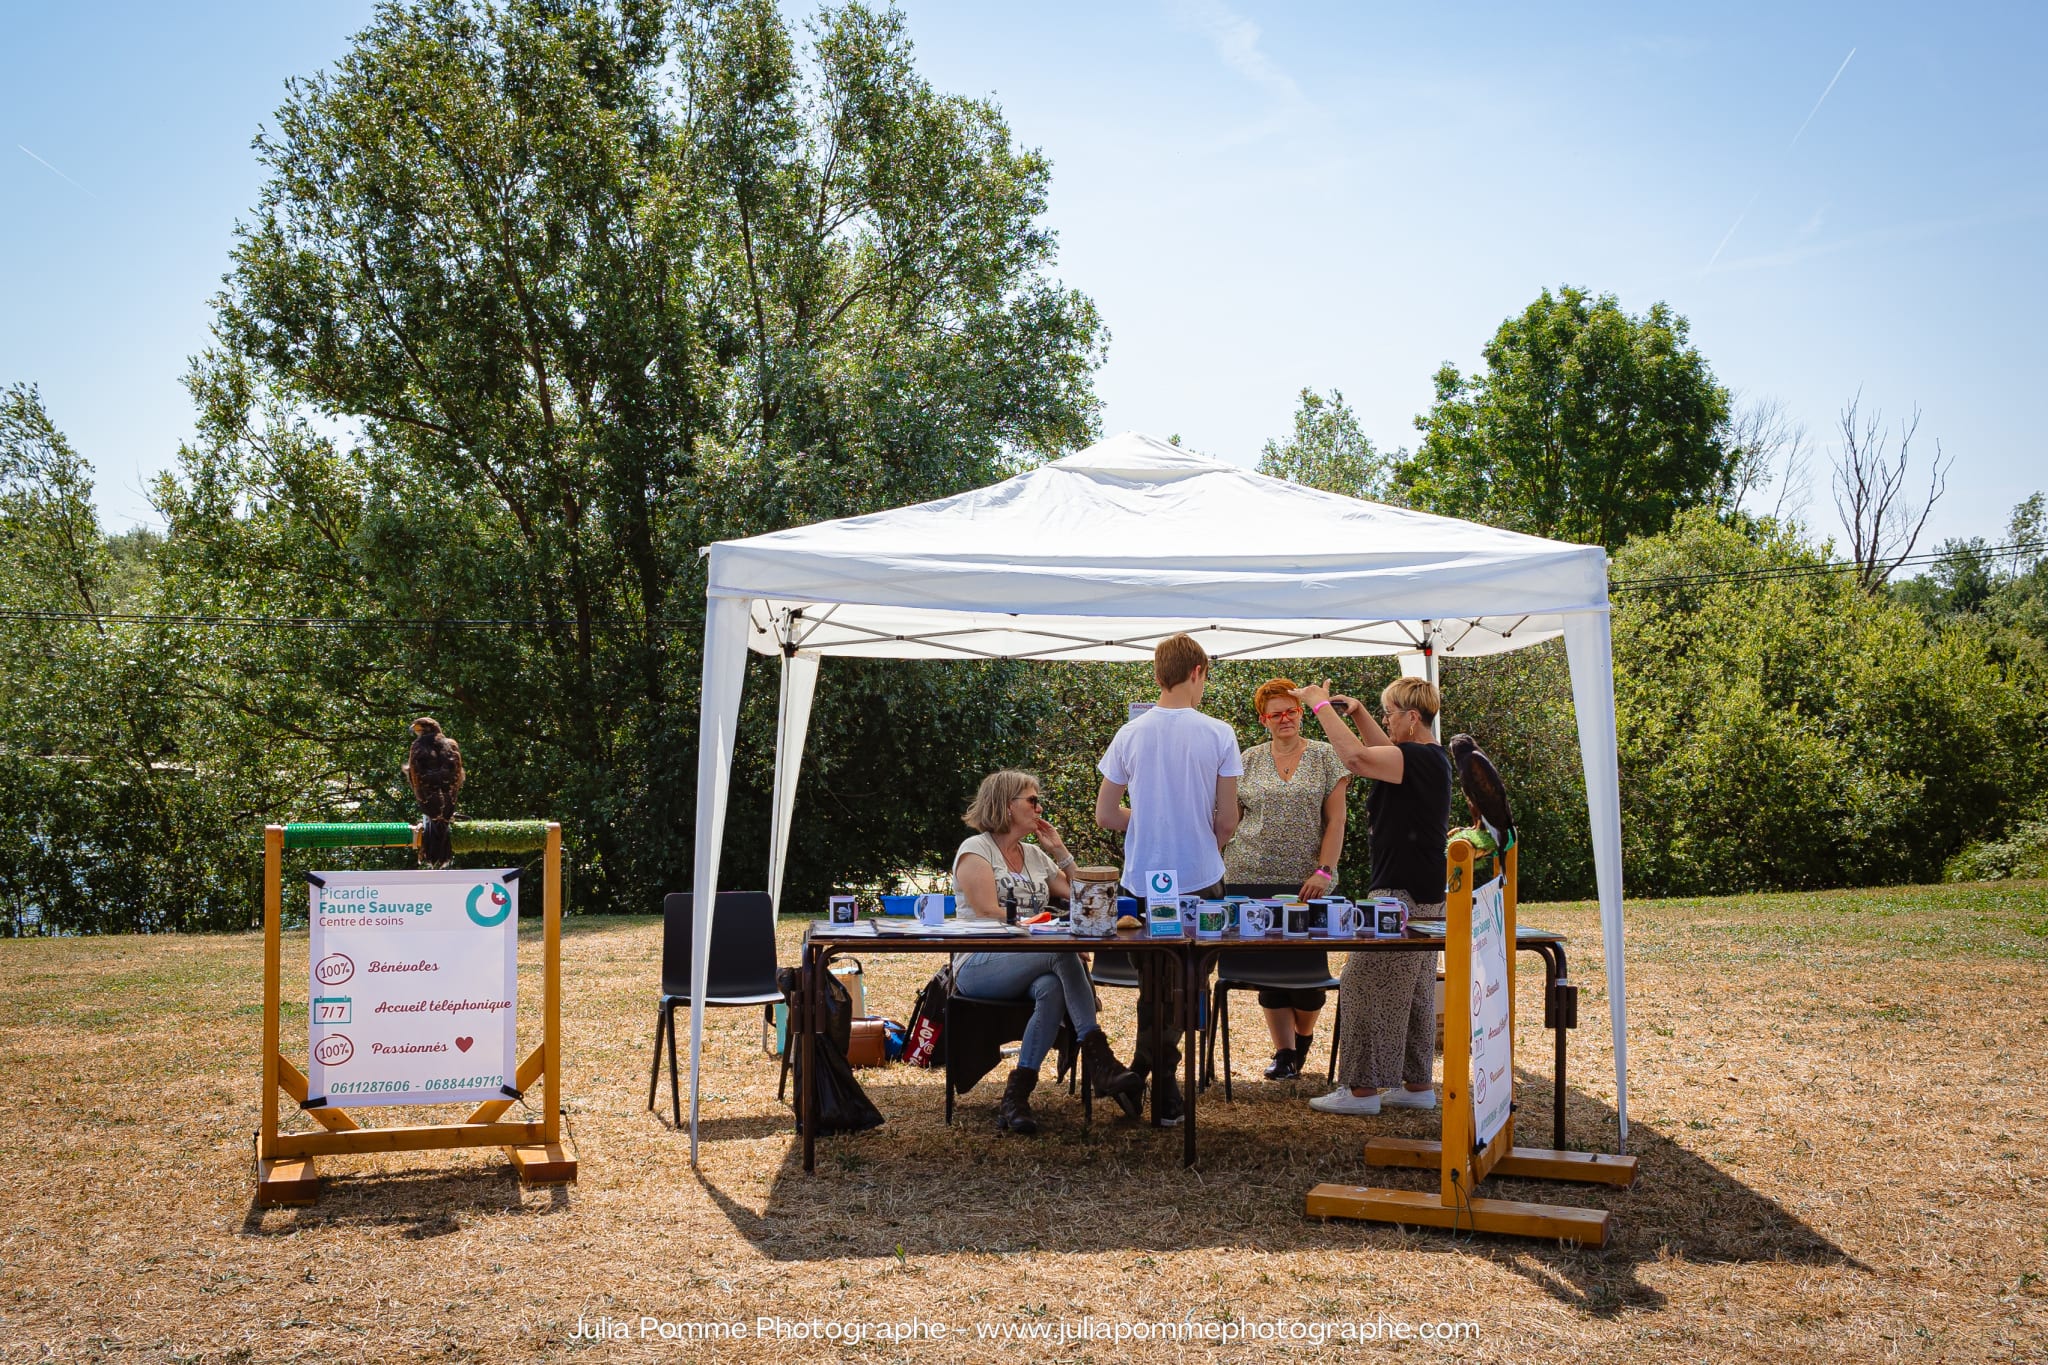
{"points": [[907, 906]]}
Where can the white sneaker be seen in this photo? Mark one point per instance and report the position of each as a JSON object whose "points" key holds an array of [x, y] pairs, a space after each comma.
{"points": [[1342, 1101], [1400, 1097]]}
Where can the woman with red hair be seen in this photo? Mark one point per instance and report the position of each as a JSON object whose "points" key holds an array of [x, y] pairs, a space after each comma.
{"points": [[1288, 841]]}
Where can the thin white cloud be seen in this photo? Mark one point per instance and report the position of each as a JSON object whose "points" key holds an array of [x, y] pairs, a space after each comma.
{"points": [[1920, 231], [54, 171], [1235, 40], [1730, 233], [1822, 100]]}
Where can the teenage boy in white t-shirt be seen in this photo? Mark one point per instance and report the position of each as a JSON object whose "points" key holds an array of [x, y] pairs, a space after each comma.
{"points": [[1181, 769]]}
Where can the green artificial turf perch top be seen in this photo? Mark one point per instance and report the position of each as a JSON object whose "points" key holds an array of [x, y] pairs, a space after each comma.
{"points": [[470, 836]]}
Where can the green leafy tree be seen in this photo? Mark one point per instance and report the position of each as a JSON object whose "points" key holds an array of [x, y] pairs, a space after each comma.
{"points": [[128, 805], [1791, 730], [1589, 423], [540, 298], [1329, 450]]}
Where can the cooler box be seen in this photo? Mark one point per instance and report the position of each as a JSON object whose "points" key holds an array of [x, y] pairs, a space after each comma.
{"points": [[907, 905]]}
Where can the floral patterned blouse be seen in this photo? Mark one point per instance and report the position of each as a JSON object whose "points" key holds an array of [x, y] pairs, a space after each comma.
{"points": [[1281, 834]]}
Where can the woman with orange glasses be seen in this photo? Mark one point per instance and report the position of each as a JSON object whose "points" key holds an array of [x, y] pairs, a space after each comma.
{"points": [[1287, 842]]}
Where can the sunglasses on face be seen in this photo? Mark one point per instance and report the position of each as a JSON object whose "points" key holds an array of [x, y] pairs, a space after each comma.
{"points": [[1035, 802]]}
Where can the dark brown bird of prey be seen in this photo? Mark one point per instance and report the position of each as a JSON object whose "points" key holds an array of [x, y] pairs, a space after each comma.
{"points": [[1480, 781], [434, 768]]}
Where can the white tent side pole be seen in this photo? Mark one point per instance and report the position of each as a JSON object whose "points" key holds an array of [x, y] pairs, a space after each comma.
{"points": [[718, 718], [792, 723], [1589, 648], [1426, 667], [775, 806]]}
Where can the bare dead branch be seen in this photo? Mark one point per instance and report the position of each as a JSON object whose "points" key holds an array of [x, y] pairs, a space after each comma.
{"points": [[1870, 492]]}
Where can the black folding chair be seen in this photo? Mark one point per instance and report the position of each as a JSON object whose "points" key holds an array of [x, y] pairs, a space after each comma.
{"points": [[1308, 969], [742, 974], [1005, 1020]]}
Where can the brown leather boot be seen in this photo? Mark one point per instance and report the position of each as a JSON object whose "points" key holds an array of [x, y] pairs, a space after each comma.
{"points": [[1014, 1115], [1112, 1077]]}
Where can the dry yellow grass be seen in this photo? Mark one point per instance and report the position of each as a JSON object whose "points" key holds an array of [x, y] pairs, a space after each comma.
{"points": [[1837, 1102]]}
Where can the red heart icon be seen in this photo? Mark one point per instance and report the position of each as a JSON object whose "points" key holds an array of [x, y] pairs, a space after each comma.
{"points": [[462, 1044]]}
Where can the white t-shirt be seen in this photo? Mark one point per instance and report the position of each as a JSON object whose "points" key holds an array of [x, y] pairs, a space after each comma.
{"points": [[1169, 759]]}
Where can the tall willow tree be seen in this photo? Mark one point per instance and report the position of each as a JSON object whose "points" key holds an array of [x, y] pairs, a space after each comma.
{"points": [[538, 299]]}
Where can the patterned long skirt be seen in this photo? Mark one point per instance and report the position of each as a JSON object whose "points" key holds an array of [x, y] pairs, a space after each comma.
{"points": [[1386, 1004]]}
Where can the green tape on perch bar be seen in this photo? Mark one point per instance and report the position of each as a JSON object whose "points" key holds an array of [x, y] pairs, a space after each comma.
{"points": [[498, 836], [367, 835]]}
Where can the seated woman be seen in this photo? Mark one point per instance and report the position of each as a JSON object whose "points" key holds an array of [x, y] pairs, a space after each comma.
{"points": [[993, 873]]}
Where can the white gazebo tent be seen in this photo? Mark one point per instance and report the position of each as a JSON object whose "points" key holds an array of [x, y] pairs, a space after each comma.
{"points": [[1098, 557]]}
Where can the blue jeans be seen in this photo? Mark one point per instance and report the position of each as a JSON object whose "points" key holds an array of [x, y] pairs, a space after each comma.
{"points": [[1056, 984]]}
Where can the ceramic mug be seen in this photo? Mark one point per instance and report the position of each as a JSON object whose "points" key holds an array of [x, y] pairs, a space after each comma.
{"points": [[1254, 919], [1390, 918], [1210, 918], [1345, 919], [1294, 923]]}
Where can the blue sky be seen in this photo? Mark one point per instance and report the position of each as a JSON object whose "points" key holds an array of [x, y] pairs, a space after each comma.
{"points": [[1259, 197]]}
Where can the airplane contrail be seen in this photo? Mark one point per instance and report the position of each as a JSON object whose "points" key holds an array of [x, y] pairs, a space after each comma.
{"points": [[1729, 235], [1822, 100], [54, 171]]}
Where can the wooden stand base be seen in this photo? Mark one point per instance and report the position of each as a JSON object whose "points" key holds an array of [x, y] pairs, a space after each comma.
{"points": [[547, 1163], [1537, 1163], [286, 1180], [1424, 1208], [292, 1179]]}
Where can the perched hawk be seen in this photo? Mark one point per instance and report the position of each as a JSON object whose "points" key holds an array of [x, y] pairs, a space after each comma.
{"points": [[1480, 781], [434, 768]]}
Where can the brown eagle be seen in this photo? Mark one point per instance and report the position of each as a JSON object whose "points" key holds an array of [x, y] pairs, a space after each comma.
{"points": [[434, 768], [1484, 793]]}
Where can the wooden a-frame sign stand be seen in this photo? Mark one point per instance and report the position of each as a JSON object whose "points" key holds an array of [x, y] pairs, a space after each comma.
{"points": [[538, 1151], [1461, 1162]]}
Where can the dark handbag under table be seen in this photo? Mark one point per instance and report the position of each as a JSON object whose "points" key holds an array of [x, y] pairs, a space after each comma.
{"points": [[843, 1107]]}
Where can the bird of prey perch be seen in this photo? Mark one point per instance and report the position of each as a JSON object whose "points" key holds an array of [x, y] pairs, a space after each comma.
{"points": [[434, 768], [1480, 781]]}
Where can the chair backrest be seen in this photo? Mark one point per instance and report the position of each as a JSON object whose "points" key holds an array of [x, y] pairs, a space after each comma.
{"points": [[742, 945]]}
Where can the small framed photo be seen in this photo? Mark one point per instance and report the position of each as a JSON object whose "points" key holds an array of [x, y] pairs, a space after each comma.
{"points": [[839, 909]]}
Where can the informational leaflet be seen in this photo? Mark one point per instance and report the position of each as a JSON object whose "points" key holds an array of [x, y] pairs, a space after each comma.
{"points": [[413, 982], [1493, 1057]]}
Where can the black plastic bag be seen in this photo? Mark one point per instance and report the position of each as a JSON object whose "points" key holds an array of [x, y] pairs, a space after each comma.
{"points": [[843, 1107]]}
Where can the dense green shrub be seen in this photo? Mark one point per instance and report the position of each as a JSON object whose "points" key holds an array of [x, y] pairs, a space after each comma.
{"points": [[2021, 851]]}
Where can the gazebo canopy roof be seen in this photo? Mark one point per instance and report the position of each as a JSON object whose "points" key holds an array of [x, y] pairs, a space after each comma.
{"points": [[1102, 554]]}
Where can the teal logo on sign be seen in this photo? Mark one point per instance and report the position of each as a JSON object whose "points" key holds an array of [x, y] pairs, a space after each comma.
{"points": [[1162, 883], [501, 901]]}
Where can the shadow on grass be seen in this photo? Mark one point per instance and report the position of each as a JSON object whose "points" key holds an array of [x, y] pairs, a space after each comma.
{"points": [[931, 1190], [424, 1203]]}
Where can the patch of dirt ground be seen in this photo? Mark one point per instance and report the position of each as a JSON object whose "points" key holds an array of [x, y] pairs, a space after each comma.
{"points": [[1836, 1100]]}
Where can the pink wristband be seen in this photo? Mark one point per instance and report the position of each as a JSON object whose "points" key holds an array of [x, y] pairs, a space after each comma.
{"points": [[1317, 709]]}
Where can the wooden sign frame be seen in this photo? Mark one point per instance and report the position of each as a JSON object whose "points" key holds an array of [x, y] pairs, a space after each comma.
{"points": [[285, 1171], [1460, 1162]]}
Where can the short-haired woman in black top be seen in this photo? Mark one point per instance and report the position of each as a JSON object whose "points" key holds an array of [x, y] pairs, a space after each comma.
{"points": [[1387, 1001]]}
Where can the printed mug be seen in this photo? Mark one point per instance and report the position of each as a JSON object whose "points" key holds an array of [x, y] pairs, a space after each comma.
{"points": [[1345, 919]]}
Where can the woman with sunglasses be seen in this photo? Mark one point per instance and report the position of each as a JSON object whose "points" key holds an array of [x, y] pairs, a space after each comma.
{"points": [[1387, 1001], [996, 874], [1288, 841]]}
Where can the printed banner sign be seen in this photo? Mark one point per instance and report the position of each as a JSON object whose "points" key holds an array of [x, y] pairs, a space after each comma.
{"points": [[1493, 1055], [413, 981]]}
